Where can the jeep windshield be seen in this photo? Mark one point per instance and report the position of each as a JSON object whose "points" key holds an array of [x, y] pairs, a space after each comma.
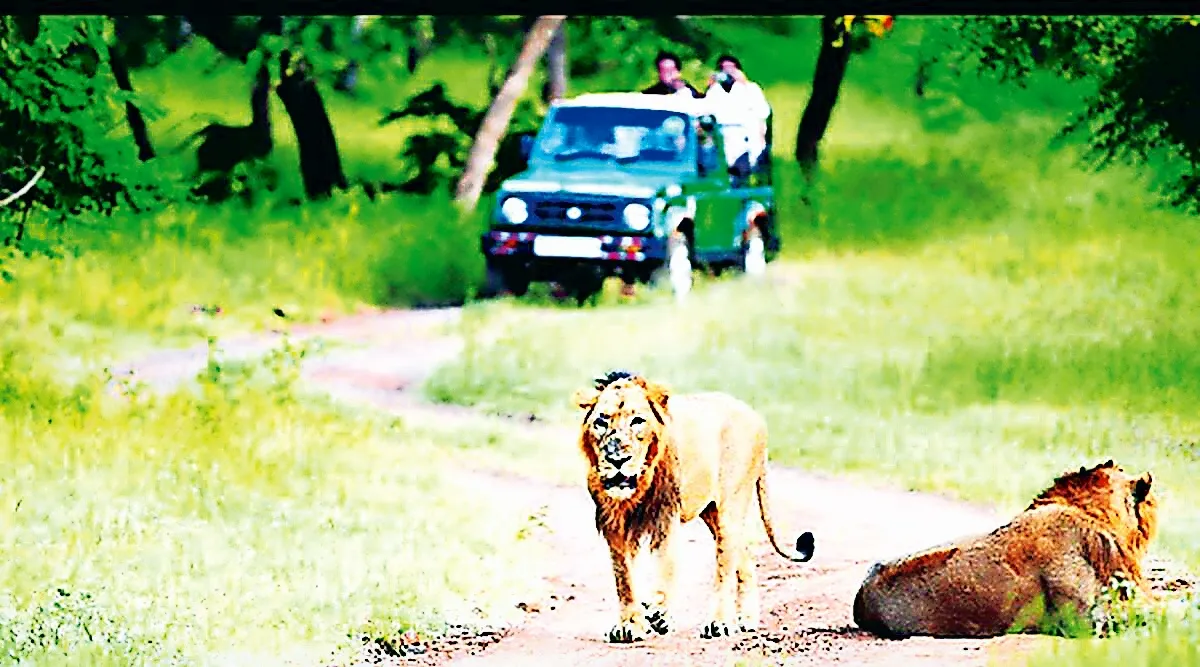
{"points": [[614, 134]]}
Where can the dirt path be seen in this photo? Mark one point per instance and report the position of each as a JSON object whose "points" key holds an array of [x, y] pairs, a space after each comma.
{"points": [[806, 607]]}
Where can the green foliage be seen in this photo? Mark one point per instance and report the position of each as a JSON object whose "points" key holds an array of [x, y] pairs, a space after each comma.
{"points": [[434, 159], [623, 48], [49, 117], [1142, 110], [146, 41]]}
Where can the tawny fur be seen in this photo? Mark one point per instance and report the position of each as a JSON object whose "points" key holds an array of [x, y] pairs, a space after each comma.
{"points": [[690, 455], [1041, 572]]}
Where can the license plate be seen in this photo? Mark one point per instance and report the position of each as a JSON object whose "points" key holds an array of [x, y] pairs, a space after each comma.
{"points": [[567, 246]]}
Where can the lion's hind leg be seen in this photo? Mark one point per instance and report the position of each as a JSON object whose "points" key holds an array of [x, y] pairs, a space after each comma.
{"points": [[748, 603]]}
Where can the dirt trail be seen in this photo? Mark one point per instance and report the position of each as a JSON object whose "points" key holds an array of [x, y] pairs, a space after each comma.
{"points": [[806, 606]]}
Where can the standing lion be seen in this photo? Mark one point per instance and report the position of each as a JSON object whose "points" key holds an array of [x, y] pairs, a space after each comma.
{"points": [[657, 460], [1041, 572]]}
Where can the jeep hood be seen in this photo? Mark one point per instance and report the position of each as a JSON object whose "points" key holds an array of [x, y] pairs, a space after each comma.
{"points": [[639, 185]]}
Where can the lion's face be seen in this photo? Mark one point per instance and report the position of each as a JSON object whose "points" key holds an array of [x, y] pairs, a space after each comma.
{"points": [[622, 429]]}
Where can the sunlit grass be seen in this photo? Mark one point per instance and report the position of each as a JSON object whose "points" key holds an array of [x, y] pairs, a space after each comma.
{"points": [[124, 280], [240, 520]]}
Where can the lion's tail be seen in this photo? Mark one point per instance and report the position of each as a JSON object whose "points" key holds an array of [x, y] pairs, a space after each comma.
{"points": [[805, 544]]}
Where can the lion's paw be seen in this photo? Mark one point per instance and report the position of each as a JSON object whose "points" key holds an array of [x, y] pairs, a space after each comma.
{"points": [[627, 631], [714, 630], [657, 617]]}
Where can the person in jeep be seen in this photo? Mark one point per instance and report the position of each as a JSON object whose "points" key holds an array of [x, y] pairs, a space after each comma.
{"points": [[742, 109], [670, 81]]}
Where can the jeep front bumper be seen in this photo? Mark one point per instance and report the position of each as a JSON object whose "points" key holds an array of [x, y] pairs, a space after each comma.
{"points": [[535, 247]]}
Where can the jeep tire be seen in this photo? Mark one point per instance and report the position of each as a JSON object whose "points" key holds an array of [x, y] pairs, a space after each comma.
{"points": [[505, 277]]}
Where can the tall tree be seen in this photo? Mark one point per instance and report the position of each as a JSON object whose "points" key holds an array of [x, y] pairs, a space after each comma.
{"points": [[422, 34], [495, 121], [120, 70], [827, 82], [832, 61], [320, 160], [556, 65]]}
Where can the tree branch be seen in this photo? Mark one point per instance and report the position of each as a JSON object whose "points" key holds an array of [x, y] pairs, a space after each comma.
{"points": [[26, 188]]}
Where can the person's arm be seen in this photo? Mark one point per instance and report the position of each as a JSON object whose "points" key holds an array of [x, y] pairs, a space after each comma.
{"points": [[758, 102], [696, 93]]}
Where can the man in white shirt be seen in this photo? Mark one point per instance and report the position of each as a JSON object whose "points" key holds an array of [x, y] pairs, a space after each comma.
{"points": [[741, 107]]}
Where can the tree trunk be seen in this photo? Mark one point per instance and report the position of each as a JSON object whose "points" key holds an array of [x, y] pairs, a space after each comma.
{"points": [[495, 122], [320, 162], [827, 82], [422, 41], [556, 65], [925, 63], [137, 124]]}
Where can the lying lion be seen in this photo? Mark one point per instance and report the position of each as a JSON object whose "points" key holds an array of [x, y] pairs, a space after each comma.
{"points": [[657, 460], [1041, 572]]}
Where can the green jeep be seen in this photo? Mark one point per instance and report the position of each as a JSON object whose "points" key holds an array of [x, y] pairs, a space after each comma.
{"points": [[632, 185]]}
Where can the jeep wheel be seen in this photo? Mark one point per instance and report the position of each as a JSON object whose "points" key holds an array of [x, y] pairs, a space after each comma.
{"points": [[677, 269], [584, 285], [503, 278]]}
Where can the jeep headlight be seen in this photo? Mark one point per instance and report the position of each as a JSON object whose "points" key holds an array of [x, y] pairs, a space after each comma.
{"points": [[515, 210], [637, 216]]}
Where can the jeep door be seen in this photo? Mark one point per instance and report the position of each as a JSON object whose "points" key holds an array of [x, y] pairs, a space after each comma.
{"points": [[717, 205]]}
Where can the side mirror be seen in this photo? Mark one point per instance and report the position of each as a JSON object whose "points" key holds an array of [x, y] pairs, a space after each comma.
{"points": [[526, 146]]}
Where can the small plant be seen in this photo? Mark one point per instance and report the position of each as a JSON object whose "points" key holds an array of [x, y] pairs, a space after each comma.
{"points": [[1120, 609], [535, 522], [64, 623]]}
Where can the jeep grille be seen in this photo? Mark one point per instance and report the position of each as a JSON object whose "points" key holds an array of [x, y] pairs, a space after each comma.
{"points": [[555, 210]]}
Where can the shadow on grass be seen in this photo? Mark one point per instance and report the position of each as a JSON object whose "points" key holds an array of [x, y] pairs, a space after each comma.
{"points": [[873, 200]]}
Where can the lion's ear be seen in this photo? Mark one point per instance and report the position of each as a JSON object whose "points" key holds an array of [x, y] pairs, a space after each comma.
{"points": [[585, 399], [1141, 488], [658, 396]]}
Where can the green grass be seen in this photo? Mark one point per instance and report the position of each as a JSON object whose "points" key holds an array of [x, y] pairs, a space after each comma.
{"points": [[127, 281], [241, 522], [241, 519]]}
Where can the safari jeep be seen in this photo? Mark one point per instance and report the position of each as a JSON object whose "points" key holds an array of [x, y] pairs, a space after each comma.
{"points": [[632, 185]]}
